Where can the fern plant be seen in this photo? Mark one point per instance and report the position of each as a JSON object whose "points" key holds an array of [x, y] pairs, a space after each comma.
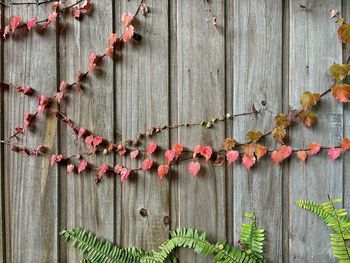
{"points": [[96, 250], [337, 219]]}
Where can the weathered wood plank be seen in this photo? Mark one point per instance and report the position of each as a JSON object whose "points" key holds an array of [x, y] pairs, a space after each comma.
{"points": [[30, 185], [142, 101], [313, 48], [2, 148], [83, 202], [254, 72], [200, 95]]}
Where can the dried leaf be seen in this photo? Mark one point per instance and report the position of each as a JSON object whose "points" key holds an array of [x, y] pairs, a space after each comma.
{"points": [[339, 71], [309, 99]]}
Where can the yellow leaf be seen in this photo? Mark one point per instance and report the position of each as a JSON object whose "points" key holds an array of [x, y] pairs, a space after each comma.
{"points": [[309, 99], [339, 71], [254, 136]]}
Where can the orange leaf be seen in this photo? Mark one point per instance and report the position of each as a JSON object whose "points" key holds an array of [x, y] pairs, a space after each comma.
{"points": [[345, 144], [309, 99], [314, 148], [302, 155], [344, 33], [341, 92]]}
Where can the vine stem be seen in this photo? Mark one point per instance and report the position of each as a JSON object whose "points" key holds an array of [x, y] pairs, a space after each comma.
{"points": [[26, 3]]}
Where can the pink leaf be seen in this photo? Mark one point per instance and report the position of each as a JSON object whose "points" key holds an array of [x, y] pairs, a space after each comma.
{"points": [[14, 22], [314, 148], [151, 148], [124, 174], [146, 164], [43, 102], [248, 161], [169, 156], [6, 31], [334, 153], [232, 156], [205, 151], [31, 23], [102, 170], [92, 59], [53, 159], [81, 133], [75, 11], [50, 18], [127, 18], [28, 91], [178, 148], [121, 149], [277, 157], [89, 139], [134, 154], [70, 168], [163, 170], [82, 166], [97, 141], [87, 6], [302, 155], [118, 169], [128, 33], [194, 168], [285, 151], [56, 5], [112, 39], [59, 96], [63, 85]]}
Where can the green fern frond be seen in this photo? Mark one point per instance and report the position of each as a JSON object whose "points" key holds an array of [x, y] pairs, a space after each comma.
{"points": [[337, 219], [98, 250], [252, 238]]}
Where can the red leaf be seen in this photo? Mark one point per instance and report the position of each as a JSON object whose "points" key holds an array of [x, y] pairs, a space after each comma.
{"points": [[92, 59], [43, 102], [345, 144], [14, 22], [82, 166], [276, 156], [28, 91], [59, 96], [6, 31], [314, 148], [50, 18], [124, 174], [341, 92], [128, 33], [102, 170], [89, 139], [151, 148], [147, 164], [163, 170], [127, 18], [75, 11], [232, 156], [134, 154], [178, 148], [302, 155], [194, 168], [31, 23], [81, 133], [248, 161], [169, 156], [70, 168], [334, 153], [205, 151], [97, 141]]}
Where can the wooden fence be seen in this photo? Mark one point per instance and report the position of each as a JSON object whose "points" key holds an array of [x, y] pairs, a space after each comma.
{"points": [[184, 69]]}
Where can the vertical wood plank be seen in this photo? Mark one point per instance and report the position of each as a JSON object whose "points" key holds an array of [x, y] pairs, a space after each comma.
{"points": [[30, 185], [254, 73], [313, 48], [142, 102], [2, 148], [200, 89], [84, 203]]}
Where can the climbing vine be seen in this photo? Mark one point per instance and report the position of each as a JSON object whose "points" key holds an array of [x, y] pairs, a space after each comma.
{"points": [[248, 152]]}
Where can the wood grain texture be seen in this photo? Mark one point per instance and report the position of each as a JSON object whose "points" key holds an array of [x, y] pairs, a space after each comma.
{"points": [[200, 90], [2, 149], [142, 101], [83, 203], [30, 185], [254, 72], [313, 48]]}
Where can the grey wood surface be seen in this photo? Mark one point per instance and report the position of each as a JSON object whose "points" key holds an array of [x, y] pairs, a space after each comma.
{"points": [[183, 70]]}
